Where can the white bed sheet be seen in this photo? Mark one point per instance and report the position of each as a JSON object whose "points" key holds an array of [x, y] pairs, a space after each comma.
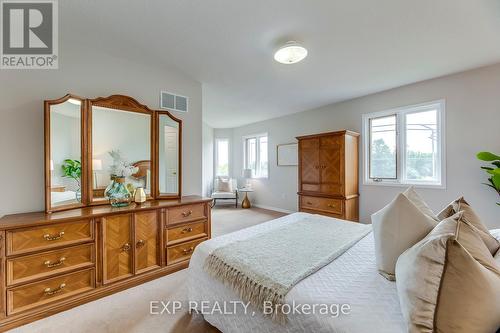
{"points": [[65, 197], [350, 279]]}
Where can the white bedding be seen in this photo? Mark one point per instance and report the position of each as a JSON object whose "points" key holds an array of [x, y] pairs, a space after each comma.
{"points": [[65, 197], [350, 279]]}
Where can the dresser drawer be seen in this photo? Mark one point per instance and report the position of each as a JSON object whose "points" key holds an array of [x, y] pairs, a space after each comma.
{"points": [[29, 267], [42, 238], [50, 290], [186, 232], [186, 213], [324, 204], [182, 251]]}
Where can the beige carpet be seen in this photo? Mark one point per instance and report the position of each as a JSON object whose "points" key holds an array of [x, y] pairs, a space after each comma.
{"points": [[129, 310]]}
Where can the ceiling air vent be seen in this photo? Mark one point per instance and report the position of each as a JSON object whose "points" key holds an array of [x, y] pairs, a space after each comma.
{"points": [[174, 102]]}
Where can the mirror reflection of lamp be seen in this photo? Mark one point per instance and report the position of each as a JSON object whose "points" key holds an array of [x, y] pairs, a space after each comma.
{"points": [[96, 166], [247, 174], [51, 169]]}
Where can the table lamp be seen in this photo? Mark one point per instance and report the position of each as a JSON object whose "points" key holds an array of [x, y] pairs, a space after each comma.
{"points": [[247, 174], [96, 166]]}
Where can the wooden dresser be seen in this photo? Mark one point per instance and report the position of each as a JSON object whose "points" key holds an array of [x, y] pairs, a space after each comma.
{"points": [[52, 262], [328, 174]]}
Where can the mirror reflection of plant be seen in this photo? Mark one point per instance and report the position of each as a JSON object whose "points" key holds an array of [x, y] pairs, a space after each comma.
{"points": [[72, 169], [493, 170]]}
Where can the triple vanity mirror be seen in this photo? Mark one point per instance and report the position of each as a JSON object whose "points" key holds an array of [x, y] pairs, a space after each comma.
{"points": [[92, 142]]}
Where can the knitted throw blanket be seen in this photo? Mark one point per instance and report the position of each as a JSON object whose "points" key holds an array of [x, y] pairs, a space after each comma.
{"points": [[264, 268]]}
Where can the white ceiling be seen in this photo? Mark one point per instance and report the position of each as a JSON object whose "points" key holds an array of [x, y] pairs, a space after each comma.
{"points": [[356, 47]]}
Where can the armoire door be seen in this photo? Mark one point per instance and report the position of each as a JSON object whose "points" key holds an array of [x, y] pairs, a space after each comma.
{"points": [[331, 164], [309, 162], [118, 250], [147, 241]]}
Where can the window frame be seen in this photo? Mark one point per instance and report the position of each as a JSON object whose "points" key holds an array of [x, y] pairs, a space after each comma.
{"points": [[216, 156], [401, 151], [257, 153]]}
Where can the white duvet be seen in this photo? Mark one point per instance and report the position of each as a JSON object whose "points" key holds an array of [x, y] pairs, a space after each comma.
{"points": [[350, 279]]}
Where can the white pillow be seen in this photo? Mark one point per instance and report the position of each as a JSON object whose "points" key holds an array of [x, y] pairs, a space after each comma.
{"points": [[396, 228]]}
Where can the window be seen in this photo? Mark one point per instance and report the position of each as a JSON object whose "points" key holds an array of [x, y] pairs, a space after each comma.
{"points": [[221, 157], [256, 155], [405, 146]]}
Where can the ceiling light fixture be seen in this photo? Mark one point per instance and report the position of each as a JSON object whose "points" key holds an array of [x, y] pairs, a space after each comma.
{"points": [[290, 53]]}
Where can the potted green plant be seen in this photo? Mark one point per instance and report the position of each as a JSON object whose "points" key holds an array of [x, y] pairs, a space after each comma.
{"points": [[493, 170], [73, 169]]}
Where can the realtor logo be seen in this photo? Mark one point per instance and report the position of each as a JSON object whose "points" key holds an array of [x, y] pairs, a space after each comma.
{"points": [[29, 37]]}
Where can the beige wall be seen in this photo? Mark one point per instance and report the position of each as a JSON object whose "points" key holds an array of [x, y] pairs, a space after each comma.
{"points": [[472, 125], [90, 74]]}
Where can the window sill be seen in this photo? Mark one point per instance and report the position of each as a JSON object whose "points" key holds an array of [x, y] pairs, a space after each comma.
{"points": [[417, 185]]}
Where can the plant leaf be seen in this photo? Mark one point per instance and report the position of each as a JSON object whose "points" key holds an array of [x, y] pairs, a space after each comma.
{"points": [[486, 168], [495, 179], [496, 163], [487, 156], [494, 171]]}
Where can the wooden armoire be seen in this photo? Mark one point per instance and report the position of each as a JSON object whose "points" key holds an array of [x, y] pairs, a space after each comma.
{"points": [[328, 174]]}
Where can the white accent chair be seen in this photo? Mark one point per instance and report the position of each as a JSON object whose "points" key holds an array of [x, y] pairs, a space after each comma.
{"points": [[225, 189]]}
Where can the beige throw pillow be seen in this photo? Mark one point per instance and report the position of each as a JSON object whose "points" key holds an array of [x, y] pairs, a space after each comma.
{"points": [[397, 227], [449, 281], [224, 185], [417, 200], [470, 216]]}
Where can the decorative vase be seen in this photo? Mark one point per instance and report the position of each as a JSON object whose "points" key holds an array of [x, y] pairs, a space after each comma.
{"points": [[139, 195], [118, 194], [109, 187]]}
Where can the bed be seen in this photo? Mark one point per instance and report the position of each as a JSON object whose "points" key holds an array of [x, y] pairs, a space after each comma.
{"points": [[60, 198], [351, 279]]}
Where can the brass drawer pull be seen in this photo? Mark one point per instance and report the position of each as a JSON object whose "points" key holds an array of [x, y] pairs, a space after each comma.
{"points": [[140, 243], [331, 205], [126, 247], [309, 203], [49, 291], [49, 237], [186, 230], [187, 251], [186, 214], [54, 264]]}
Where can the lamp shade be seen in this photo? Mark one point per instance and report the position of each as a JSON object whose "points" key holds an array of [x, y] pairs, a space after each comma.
{"points": [[247, 173], [97, 165], [51, 165]]}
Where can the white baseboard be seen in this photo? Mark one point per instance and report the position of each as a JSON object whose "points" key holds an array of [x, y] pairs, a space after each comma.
{"points": [[281, 210]]}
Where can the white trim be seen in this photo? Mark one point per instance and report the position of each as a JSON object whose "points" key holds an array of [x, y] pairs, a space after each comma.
{"points": [[400, 112], [276, 209]]}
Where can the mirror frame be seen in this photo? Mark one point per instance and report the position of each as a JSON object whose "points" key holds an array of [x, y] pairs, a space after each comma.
{"points": [[125, 104], [119, 103], [157, 155], [47, 152]]}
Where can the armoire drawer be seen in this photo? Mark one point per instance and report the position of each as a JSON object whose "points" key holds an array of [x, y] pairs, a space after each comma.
{"points": [[325, 204], [186, 232], [182, 251], [41, 265], [46, 237], [49, 290], [186, 213]]}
